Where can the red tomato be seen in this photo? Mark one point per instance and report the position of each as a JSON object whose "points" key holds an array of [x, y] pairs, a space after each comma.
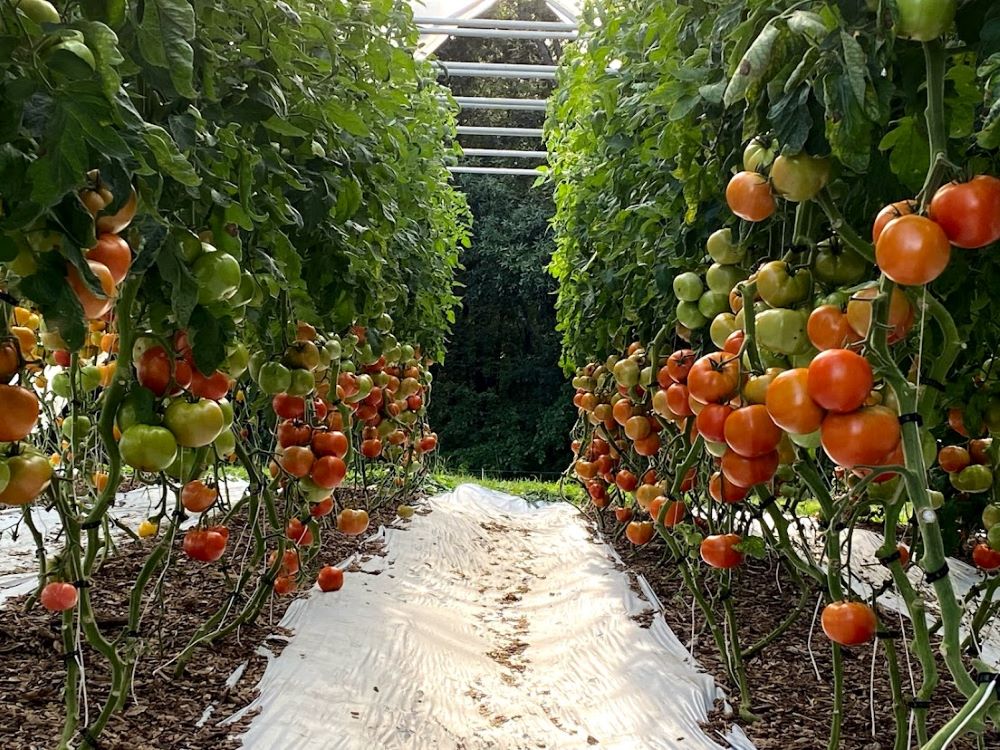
{"points": [[299, 533], [297, 460], [197, 497], [205, 545], [718, 550], [598, 492], [912, 250], [677, 400], [887, 214], [639, 532], [626, 481], [901, 314], [714, 378], [292, 433], [828, 328], [863, 437], [985, 558], [734, 342], [789, 404], [329, 471], [954, 458], [284, 585], [289, 562], [663, 378], [648, 446], [113, 252], [711, 422], [289, 407], [751, 432], [330, 578], [623, 515], [676, 510], [849, 623], [153, 370], [747, 472], [679, 364], [214, 386], [371, 448], [839, 380], [969, 212], [323, 508], [724, 491]]}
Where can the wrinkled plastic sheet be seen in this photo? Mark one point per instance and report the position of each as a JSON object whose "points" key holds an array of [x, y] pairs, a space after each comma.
{"points": [[489, 623]]}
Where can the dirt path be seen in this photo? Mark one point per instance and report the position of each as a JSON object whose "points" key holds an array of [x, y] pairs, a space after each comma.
{"points": [[487, 624]]}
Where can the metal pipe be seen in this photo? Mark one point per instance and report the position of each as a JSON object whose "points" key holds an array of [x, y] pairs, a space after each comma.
{"points": [[426, 31], [451, 65], [472, 73], [494, 23], [502, 132], [494, 170], [506, 153], [485, 102]]}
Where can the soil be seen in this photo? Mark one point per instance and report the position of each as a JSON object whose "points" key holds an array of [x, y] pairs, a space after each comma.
{"points": [[164, 711], [793, 706]]}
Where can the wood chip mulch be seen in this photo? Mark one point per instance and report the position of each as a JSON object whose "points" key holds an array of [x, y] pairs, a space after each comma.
{"points": [[164, 710], [793, 706]]}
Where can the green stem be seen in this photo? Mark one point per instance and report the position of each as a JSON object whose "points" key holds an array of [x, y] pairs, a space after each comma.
{"points": [[748, 290], [844, 230], [937, 126]]}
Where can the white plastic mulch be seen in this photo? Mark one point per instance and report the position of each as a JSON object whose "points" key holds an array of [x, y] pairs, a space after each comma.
{"points": [[489, 623]]}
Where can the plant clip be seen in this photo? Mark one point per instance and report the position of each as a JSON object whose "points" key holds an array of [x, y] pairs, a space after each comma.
{"points": [[935, 384], [82, 584], [889, 635], [936, 575], [725, 594], [973, 649], [984, 678], [88, 525], [70, 656], [132, 633], [890, 558], [918, 703], [911, 417], [768, 501], [89, 740], [179, 513], [267, 579]]}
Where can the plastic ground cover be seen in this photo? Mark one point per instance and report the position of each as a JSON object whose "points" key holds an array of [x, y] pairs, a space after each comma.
{"points": [[488, 623]]}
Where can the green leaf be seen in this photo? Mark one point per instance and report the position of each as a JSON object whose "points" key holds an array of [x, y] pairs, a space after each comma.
{"points": [[855, 63], [103, 42], [62, 167], [208, 340], [791, 120], [184, 287], [349, 120], [282, 127], [909, 156], [165, 33], [752, 66], [753, 546], [168, 157]]}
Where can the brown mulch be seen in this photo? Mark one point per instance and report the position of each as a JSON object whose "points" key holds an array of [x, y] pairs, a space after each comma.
{"points": [[164, 710], [792, 706]]}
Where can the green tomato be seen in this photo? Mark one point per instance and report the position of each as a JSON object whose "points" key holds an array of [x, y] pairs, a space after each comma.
{"points": [[689, 316], [225, 444], [758, 155], [809, 440], [227, 411], [302, 382], [405, 353], [183, 467], [991, 415], [218, 275], [936, 498], [257, 361], [799, 178], [767, 358], [245, 294], [783, 331], [194, 424], [688, 286], [711, 304], [924, 20], [4, 475], [90, 377], [838, 267], [334, 350], [993, 538], [76, 429], [72, 59], [722, 278], [60, 385], [972, 479], [778, 288], [803, 359], [138, 407], [24, 264], [715, 449], [722, 326], [311, 491], [39, 11], [237, 360], [627, 372], [365, 385], [148, 448], [722, 249], [991, 516], [273, 378], [348, 366]]}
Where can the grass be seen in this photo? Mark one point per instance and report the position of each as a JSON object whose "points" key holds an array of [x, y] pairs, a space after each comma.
{"points": [[528, 488]]}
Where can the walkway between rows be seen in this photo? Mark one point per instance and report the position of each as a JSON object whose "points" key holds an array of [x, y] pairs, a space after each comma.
{"points": [[486, 623]]}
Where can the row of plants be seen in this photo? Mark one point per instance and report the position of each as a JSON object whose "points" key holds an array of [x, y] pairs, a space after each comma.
{"points": [[227, 239], [777, 230]]}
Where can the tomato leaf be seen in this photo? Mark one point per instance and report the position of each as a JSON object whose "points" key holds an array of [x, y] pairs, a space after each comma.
{"points": [[908, 152], [208, 340], [165, 33], [49, 290], [168, 157], [184, 287], [103, 42]]}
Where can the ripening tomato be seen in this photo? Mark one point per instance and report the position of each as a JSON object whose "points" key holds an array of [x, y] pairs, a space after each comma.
{"points": [[734, 342], [913, 250], [352, 522], [197, 497], [714, 378], [153, 370], [789, 404], [675, 511], [904, 555], [724, 491], [637, 427], [679, 364], [330, 578], [719, 551], [622, 411], [58, 596], [639, 532], [94, 306], [214, 386], [839, 380], [749, 196], [297, 460], [711, 422], [828, 328], [751, 432], [20, 411], [299, 532], [678, 400], [954, 458], [289, 562], [901, 314], [292, 433], [861, 438], [969, 212], [648, 446], [113, 252], [626, 481], [747, 472], [204, 545], [849, 623]]}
